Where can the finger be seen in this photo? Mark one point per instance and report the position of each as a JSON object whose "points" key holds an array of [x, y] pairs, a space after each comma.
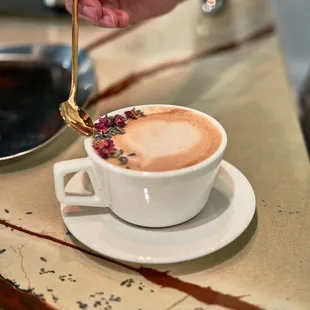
{"points": [[89, 10], [113, 18], [123, 18]]}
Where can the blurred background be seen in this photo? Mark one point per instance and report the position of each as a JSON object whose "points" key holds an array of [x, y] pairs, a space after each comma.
{"points": [[291, 19]]}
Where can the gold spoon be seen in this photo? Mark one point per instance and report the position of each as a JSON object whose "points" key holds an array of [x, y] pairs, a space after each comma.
{"points": [[72, 114]]}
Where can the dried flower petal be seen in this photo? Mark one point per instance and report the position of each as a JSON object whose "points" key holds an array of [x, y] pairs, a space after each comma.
{"points": [[131, 114], [106, 121], [103, 154], [101, 127], [106, 146], [119, 121], [103, 124], [109, 146], [108, 126], [96, 145], [101, 144]]}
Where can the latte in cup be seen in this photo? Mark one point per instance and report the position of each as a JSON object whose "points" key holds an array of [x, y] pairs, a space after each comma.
{"points": [[157, 139], [153, 167]]}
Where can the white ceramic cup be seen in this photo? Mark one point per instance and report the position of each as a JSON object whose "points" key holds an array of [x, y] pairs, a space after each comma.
{"points": [[149, 199]]}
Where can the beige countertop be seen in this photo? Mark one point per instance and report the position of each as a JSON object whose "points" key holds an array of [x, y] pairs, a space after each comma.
{"points": [[246, 89]]}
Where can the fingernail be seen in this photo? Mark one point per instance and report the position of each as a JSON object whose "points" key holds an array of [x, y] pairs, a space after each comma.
{"points": [[108, 21], [90, 12]]}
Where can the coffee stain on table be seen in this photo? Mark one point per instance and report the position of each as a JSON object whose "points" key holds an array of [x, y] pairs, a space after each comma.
{"points": [[203, 294]]}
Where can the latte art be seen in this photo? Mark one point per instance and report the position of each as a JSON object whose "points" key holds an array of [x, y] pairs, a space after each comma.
{"points": [[166, 139], [158, 138]]}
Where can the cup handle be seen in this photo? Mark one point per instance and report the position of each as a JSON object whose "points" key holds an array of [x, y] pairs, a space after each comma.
{"points": [[63, 168]]}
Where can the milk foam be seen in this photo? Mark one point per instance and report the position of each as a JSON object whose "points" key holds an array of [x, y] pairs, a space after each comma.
{"points": [[167, 139], [160, 138]]}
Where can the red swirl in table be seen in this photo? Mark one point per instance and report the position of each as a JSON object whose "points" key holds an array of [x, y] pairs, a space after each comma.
{"points": [[13, 298], [204, 294]]}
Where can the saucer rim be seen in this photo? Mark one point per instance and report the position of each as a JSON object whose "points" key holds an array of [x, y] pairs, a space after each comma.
{"points": [[131, 258]]}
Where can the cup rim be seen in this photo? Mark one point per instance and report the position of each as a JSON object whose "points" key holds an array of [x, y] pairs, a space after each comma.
{"points": [[160, 174]]}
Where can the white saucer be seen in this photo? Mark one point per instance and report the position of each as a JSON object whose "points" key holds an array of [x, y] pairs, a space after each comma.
{"points": [[227, 214]]}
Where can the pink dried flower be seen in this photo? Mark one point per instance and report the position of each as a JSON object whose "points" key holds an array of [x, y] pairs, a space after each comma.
{"points": [[103, 124], [99, 144], [119, 121], [109, 146], [105, 120], [103, 154], [131, 114], [104, 148]]}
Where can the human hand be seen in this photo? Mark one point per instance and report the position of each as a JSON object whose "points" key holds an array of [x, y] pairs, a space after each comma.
{"points": [[119, 13]]}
